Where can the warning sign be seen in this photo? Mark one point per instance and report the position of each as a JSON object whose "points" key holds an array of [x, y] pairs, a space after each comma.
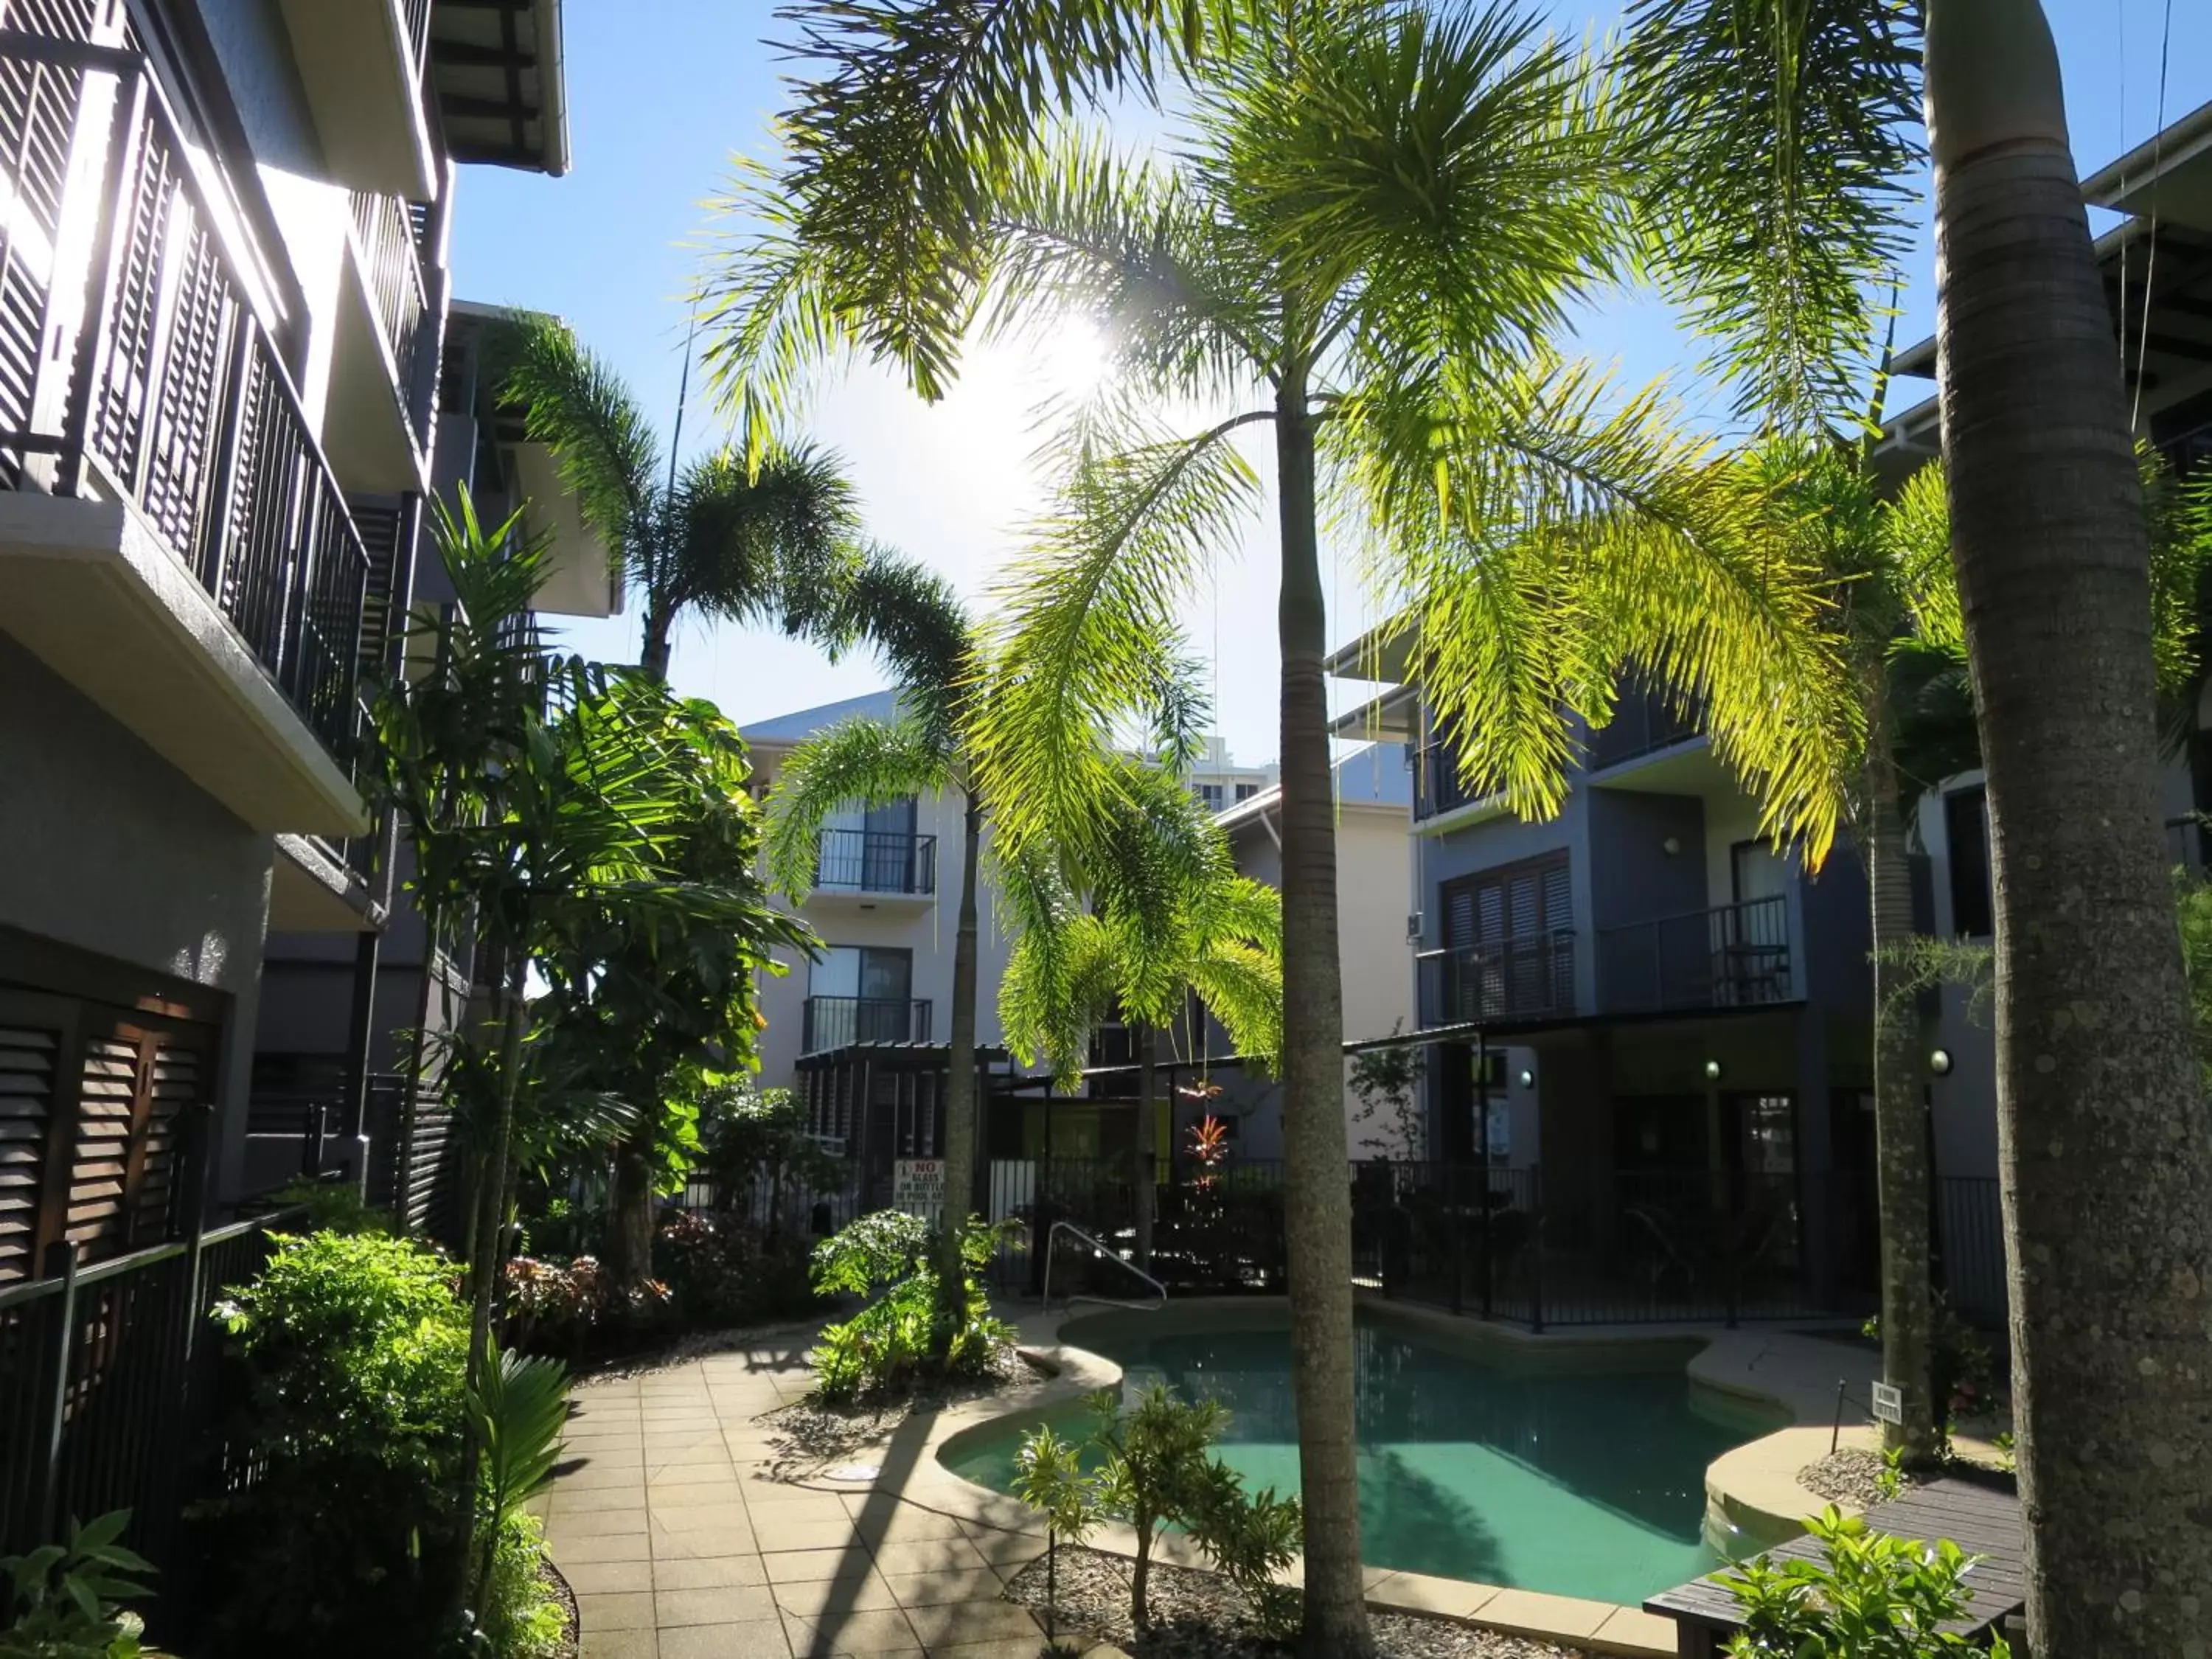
{"points": [[1888, 1403], [918, 1186]]}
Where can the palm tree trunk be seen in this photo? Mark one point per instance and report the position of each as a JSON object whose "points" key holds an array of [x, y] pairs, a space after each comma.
{"points": [[1317, 1219], [629, 1232], [1900, 1125], [960, 1105], [1141, 1153], [2104, 1150], [653, 653]]}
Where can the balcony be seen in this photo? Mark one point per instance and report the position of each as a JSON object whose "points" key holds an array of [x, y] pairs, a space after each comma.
{"points": [[361, 64], [835, 1022], [172, 541], [376, 428], [1438, 789], [1644, 723], [876, 863], [1527, 976], [1734, 956]]}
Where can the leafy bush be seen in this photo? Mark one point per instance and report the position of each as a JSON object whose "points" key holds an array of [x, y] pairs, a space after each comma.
{"points": [[1156, 1468], [355, 1351], [721, 1273], [521, 1405], [759, 1153], [61, 1597], [894, 1341], [568, 1308], [1963, 1371], [521, 1616], [1870, 1596], [331, 1206]]}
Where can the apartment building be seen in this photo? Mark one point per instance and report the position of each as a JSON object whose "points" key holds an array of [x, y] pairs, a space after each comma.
{"points": [[1217, 780], [222, 305]]}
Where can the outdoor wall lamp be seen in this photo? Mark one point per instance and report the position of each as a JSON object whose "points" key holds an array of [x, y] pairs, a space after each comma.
{"points": [[1939, 1062], [1671, 845], [1528, 1078], [1712, 1071]]}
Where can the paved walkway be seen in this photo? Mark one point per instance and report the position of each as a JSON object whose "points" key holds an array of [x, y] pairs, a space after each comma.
{"points": [[679, 1545]]}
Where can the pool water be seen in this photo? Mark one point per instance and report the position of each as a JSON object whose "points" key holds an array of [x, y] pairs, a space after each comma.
{"points": [[1580, 1473]]}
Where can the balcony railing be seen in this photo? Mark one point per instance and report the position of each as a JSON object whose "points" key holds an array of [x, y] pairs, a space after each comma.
{"points": [[1735, 955], [876, 861], [1644, 722], [1437, 786], [391, 257], [1525, 976], [163, 388], [833, 1022]]}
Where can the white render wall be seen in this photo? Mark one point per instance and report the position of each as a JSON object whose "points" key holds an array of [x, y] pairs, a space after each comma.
{"points": [[924, 927]]}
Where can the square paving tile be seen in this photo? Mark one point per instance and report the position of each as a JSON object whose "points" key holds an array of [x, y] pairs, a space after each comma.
{"points": [[858, 1633], [760, 1640], [600, 1547], [961, 1622], [698, 1517], [568, 1501], [791, 1504], [803, 1566], [607, 1577], [619, 1644], [711, 1486], [775, 1534], [1560, 1617], [595, 1475], [930, 1555], [734, 1605], [595, 1523], [701, 1543], [923, 1590], [628, 1610], [708, 1572], [812, 1598]]}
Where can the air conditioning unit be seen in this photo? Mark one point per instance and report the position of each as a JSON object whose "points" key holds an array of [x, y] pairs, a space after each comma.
{"points": [[1413, 927]]}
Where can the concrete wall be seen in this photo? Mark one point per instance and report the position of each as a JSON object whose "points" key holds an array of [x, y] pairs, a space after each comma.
{"points": [[1633, 877], [106, 846]]}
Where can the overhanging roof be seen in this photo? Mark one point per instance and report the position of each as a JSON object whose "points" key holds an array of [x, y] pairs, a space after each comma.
{"points": [[498, 76]]}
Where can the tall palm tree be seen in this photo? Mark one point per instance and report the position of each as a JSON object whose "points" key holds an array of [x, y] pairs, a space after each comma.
{"points": [[916, 624], [1370, 221], [1156, 916], [716, 538], [1780, 138]]}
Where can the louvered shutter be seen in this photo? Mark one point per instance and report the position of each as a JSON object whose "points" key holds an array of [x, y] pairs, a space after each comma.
{"points": [[29, 1072]]}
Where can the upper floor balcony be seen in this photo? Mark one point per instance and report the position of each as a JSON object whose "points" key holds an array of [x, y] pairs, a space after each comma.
{"points": [[377, 423], [836, 1022], [361, 64], [876, 863], [1728, 956], [173, 540]]}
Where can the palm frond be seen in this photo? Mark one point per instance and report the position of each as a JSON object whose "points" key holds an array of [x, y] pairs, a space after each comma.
{"points": [[1242, 986], [575, 404], [863, 762], [746, 543], [1776, 140], [1086, 621], [915, 620]]}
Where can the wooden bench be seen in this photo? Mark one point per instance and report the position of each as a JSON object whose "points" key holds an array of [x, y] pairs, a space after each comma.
{"points": [[1982, 1520]]}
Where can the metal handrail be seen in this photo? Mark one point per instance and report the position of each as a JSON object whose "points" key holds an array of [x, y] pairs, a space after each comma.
{"points": [[1101, 1251]]}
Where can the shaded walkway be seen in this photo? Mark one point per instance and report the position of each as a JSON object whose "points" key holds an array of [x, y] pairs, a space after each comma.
{"points": [[679, 1545]]}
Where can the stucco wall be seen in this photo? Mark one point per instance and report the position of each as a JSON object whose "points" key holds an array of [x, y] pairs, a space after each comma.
{"points": [[106, 846]]}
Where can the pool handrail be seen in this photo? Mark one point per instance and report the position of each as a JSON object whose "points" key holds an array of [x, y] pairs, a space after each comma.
{"points": [[1101, 1251]]}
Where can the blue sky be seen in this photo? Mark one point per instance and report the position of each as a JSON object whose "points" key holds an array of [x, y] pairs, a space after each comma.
{"points": [[661, 95]]}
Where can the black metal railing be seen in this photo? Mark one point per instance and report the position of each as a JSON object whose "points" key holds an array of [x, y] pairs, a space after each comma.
{"points": [[2185, 843], [1526, 976], [1734, 955], [876, 861], [171, 393], [833, 1022], [415, 14], [1438, 787], [1969, 1247], [392, 263], [109, 1391], [1642, 723]]}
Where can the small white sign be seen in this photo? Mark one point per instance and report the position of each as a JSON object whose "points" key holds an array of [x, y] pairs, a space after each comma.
{"points": [[1888, 1404], [918, 1186]]}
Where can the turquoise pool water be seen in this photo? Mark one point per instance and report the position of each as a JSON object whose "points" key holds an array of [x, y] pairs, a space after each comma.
{"points": [[1581, 1474]]}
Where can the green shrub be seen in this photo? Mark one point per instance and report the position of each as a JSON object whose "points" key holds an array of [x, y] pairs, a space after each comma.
{"points": [[721, 1273], [521, 1616], [1869, 1596], [521, 1405], [760, 1154], [894, 1341], [571, 1308], [331, 1206], [354, 1351], [1156, 1468], [61, 1598]]}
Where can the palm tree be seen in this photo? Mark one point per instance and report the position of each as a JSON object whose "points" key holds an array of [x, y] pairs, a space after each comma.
{"points": [[1371, 219], [916, 623], [717, 538], [1778, 139], [1156, 916]]}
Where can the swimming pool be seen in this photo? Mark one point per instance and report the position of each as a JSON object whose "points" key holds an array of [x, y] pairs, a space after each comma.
{"points": [[1578, 1470]]}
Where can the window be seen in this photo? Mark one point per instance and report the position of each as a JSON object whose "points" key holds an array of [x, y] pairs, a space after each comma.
{"points": [[863, 994], [1211, 795], [1246, 791], [1510, 934], [1966, 833]]}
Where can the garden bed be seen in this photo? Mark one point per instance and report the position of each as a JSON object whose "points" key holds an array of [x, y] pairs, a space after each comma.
{"points": [[1201, 1615]]}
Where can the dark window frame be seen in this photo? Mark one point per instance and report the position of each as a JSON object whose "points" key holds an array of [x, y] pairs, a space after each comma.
{"points": [[1972, 871]]}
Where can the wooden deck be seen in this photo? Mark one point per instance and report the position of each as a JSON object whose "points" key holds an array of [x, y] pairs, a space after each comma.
{"points": [[1981, 1519]]}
